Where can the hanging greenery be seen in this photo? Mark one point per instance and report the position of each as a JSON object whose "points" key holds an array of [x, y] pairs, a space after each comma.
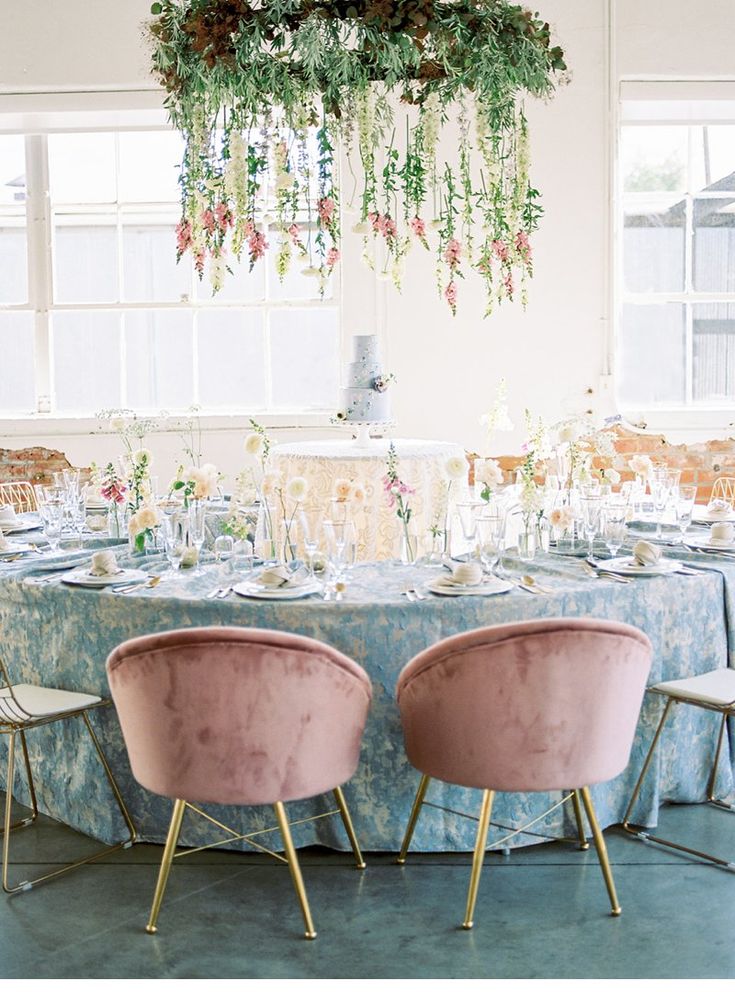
{"points": [[267, 92]]}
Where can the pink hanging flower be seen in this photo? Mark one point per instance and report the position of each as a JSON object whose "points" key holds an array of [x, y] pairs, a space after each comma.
{"points": [[114, 493], [508, 283], [224, 217], [332, 257], [248, 228], [199, 261], [523, 246], [500, 249], [375, 220], [208, 221], [450, 295], [418, 226], [256, 246], [325, 207], [183, 237], [453, 252], [294, 232], [389, 228]]}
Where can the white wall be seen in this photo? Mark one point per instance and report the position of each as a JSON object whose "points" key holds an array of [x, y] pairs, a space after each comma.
{"points": [[553, 354]]}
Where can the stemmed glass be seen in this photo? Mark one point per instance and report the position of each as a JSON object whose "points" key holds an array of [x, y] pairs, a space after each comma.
{"points": [[175, 538], [308, 526], [197, 518], [52, 515], [491, 539], [614, 526], [469, 513], [660, 489], [591, 506], [685, 508]]}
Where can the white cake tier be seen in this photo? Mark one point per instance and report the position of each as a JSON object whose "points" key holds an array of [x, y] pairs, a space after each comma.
{"points": [[365, 405], [365, 349], [362, 375]]}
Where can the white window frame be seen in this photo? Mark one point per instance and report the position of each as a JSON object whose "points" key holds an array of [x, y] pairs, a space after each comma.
{"points": [[707, 100], [38, 115]]}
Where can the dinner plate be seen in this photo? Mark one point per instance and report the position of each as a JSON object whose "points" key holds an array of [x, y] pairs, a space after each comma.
{"points": [[17, 549], [54, 564], [125, 576], [253, 590], [702, 515], [493, 587], [629, 566], [20, 526], [706, 544]]}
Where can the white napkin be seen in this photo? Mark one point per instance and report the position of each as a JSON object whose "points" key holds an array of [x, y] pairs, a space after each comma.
{"points": [[96, 522], [281, 577], [722, 533], [646, 553], [465, 574], [104, 563], [7, 514], [719, 509], [4, 542]]}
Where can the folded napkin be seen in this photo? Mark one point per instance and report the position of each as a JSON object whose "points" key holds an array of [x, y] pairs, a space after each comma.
{"points": [[96, 522], [466, 573], [104, 563], [4, 542], [646, 553], [719, 508], [7, 514], [722, 533], [281, 577]]}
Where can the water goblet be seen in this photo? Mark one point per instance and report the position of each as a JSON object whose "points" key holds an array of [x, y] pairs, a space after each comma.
{"points": [[614, 526], [308, 522], [175, 538], [197, 517], [52, 515], [489, 529], [685, 508], [591, 506], [660, 489], [223, 547], [468, 516]]}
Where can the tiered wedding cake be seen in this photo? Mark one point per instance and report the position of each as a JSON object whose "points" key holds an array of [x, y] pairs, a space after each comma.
{"points": [[364, 398]]}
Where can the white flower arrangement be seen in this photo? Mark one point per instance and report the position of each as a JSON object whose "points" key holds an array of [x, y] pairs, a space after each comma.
{"points": [[455, 468]]}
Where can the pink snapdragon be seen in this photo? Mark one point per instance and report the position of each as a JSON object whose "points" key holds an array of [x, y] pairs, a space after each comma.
{"points": [[199, 261], [256, 246], [450, 295], [294, 232], [453, 252], [508, 283], [209, 222], [383, 224], [332, 257], [224, 217], [500, 250], [183, 236], [418, 226], [114, 493], [394, 488], [325, 207], [523, 246]]}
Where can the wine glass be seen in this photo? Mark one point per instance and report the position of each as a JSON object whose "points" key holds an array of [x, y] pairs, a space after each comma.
{"points": [[197, 518], [660, 489], [175, 538], [685, 508], [614, 526], [490, 542], [308, 525], [591, 506], [469, 513], [223, 547], [52, 514]]}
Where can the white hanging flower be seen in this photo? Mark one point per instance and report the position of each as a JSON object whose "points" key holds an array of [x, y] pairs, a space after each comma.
{"points": [[254, 444], [297, 489]]}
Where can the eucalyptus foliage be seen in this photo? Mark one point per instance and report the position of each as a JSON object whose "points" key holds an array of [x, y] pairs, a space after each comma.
{"points": [[267, 92]]}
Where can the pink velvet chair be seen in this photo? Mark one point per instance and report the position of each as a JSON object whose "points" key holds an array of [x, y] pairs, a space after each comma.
{"points": [[239, 716], [525, 707]]}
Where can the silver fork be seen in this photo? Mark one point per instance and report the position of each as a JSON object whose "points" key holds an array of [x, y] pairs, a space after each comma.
{"points": [[409, 594]]}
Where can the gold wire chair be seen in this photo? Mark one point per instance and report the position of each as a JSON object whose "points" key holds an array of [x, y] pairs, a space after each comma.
{"points": [[724, 488], [713, 691], [22, 708], [19, 495]]}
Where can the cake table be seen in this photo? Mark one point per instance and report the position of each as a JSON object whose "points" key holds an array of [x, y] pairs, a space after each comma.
{"points": [[420, 465]]}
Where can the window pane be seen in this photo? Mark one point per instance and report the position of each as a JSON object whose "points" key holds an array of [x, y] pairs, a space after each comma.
{"points": [[85, 269], [150, 271], [82, 168], [149, 166], [239, 285], [13, 263], [16, 348], [714, 246], [231, 359], [654, 159], [653, 248], [304, 358], [295, 285], [713, 157], [12, 169], [651, 360], [159, 359], [714, 352], [86, 361]]}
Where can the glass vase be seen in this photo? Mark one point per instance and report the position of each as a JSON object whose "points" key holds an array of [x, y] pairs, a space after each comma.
{"points": [[147, 542], [266, 545], [409, 548], [527, 542]]}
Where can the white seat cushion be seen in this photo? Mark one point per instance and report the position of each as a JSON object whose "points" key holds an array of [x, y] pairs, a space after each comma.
{"points": [[717, 687], [39, 702]]}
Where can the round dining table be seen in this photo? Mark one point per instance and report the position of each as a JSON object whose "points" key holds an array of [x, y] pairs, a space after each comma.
{"points": [[60, 635]]}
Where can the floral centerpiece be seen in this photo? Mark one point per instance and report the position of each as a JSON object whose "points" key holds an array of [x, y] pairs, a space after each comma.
{"points": [[247, 81], [397, 492]]}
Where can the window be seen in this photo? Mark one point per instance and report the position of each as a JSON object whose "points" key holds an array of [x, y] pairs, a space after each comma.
{"points": [[676, 328], [95, 312]]}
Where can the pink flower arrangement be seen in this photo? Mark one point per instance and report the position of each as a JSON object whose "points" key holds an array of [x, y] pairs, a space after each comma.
{"points": [[183, 237], [223, 216], [332, 257], [394, 488], [256, 246], [382, 224], [325, 207], [209, 222]]}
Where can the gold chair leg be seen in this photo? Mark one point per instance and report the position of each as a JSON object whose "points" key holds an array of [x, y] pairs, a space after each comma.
{"points": [[26, 821], [601, 851], [715, 763], [479, 856], [293, 865], [350, 830], [583, 842], [415, 810], [172, 840], [8, 803], [646, 766], [113, 784]]}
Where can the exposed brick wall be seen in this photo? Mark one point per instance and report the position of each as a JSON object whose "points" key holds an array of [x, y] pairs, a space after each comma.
{"points": [[700, 464], [34, 465]]}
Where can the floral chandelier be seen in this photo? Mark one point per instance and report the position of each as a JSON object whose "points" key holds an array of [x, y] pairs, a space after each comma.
{"points": [[266, 93]]}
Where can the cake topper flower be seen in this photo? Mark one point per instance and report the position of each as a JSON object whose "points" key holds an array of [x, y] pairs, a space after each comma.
{"points": [[381, 382]]}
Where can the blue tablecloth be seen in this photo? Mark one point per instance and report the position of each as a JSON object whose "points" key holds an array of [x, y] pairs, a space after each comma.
{"points": [[60, 636]]}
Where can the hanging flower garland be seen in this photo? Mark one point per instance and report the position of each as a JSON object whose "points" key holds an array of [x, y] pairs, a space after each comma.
{"points": [[266, 92]]}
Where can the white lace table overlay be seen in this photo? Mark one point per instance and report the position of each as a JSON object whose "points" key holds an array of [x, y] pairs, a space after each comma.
{"points": [[420, 465]]}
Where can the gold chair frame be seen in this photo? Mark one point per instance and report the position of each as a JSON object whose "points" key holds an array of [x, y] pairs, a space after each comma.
{"points": [[290, 857], [579, 797], [20, 495], [15, 722], [724, 488], [725, 710]]}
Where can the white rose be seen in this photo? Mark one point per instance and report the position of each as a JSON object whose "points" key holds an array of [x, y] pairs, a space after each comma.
{"points": [[455, 467], [488, 472], [254, 445], [147, 517], [297, 489]]}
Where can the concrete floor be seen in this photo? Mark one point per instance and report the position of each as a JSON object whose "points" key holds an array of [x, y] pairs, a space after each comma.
{"points": [[541, 913]]}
